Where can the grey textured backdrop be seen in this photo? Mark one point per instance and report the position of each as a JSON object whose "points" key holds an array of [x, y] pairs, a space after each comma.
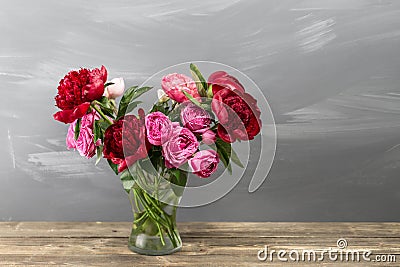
{"points": [[330, 70]]}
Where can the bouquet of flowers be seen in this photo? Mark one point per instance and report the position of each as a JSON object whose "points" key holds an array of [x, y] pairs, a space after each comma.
{"points": [[189, 129]]}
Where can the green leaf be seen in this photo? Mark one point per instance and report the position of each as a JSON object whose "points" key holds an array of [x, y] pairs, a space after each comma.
{"points": [[125, 100], [126, 175], [191, 98], [159, 107], [127, 180], [179, 178], [224, 152], [103, 124], [210, 93], [199, 85], [235, 159], [99, 153], [113, 166], [175, 114], [104, 101], [132, 106], [206, 105], [106, 106], [130, 94], [77, 129], [97, 131], [199, 79], [128, 185], [140, 91]]}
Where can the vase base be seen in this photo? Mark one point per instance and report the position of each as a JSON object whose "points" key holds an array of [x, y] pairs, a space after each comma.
{"points": [[154, 252]]}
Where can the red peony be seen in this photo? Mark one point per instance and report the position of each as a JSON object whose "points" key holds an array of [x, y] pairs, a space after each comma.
{"points": [[77, 90], [125, 141], [238, 115], [221, 80]]}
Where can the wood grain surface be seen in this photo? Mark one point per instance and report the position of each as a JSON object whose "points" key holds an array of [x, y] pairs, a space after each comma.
{"points": [[204, 244]]}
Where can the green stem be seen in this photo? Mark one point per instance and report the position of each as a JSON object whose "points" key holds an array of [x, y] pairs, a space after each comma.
{"points": [[173, 240], [141, 218], [161, 234], [150, 199], [163, 215], [156, 214], [149, 211], [101, 113], [156, 204]]}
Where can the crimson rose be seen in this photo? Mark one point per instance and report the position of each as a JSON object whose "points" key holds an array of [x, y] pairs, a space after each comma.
{"points": [[125, 141], [75, 92], [237, 120]]}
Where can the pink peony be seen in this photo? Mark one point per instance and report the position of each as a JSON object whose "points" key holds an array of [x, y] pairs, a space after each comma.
{"points": [[174, 83], [115, 90], [156, 124], [179, 145], [209, 137], [85, 142], [204, 163], [195, 118]]}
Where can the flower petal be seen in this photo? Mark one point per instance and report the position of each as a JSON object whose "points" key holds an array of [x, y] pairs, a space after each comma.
{"points": [[103, 74], [70, 115], [224, 135]]}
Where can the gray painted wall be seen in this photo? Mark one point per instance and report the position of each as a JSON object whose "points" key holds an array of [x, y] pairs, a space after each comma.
{"points": [[330, 70]]}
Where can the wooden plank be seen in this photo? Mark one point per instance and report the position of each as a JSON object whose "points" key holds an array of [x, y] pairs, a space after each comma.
{"points": [[171, 260], [203, 229], [219, 246], [205, 244]]}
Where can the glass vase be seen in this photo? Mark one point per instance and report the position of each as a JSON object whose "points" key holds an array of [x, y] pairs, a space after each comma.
{"points": [[154, 201]]}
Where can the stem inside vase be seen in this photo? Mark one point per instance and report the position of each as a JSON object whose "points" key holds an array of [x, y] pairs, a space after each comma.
{"points": [[154, 230]]}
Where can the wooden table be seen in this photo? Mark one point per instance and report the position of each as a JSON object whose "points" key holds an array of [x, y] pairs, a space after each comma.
{"points": [[205, 244]]}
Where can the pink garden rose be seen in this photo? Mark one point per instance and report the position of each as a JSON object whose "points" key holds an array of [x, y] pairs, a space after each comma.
{"points": [[157, 123], [195, 118], [174, 83], [178, 146], [209, 137], [85, 142], [115, 90], [204, 163]]}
